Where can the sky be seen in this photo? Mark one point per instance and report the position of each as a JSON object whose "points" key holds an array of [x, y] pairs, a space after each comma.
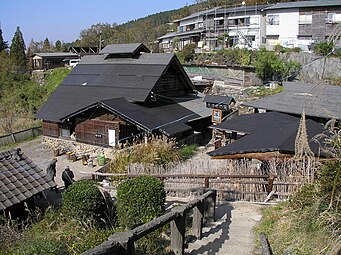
{"points": [[64, 19]]}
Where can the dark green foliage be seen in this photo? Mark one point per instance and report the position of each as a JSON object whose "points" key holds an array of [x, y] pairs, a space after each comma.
{"points": [[47, 45], [188, 52], [269, 66], [329, 179], [58, 46], [84, 200], [3, 43], [139, 200], [17, 51], [188, 151], [304, 198], [323, 48]]}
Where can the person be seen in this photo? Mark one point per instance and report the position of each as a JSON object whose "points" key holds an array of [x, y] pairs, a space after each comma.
{"points": [[51, 173], [67, 177]]}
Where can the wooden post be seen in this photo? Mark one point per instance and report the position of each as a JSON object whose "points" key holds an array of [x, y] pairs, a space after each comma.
{"points": [[207, 182], [270, 184], [198, 216], [265, 245], [209, 207], [177, 227], [13, 138]]}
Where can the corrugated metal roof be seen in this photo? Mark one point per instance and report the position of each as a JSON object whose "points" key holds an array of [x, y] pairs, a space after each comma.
{"points": [[266, 132], [179, 34], [305, 4], [20, 178], [321, 101], [56, 54]]}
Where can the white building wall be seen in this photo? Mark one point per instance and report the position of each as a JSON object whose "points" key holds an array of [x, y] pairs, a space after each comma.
{"points": [[286, 27]]}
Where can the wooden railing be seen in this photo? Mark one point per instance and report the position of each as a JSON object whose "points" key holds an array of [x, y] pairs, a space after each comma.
{"points": [[122, 243]]}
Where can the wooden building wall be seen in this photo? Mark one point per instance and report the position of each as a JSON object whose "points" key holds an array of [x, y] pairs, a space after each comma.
{"points": [[50, 129], [95, 131]]}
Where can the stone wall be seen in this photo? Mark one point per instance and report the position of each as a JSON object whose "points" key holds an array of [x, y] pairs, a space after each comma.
{"points": [[315, 68], [79, 148]]}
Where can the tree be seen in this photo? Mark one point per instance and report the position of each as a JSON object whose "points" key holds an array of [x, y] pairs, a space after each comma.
{"points": [[17, 51], [58, 46], [46, 45], [3, 43]]}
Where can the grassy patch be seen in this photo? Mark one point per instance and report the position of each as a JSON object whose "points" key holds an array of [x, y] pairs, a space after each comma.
{"points": [[263, 91], [54, 77]]}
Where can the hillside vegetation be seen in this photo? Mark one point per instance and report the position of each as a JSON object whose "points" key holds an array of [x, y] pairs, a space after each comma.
{"points": [[22, 95]]}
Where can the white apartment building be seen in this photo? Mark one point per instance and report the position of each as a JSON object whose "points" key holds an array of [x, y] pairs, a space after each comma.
{"points": [[290, 24]]}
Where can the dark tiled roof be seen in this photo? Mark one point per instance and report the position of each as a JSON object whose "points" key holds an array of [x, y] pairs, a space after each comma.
{"points": [[20, 178], [317, 101], [55, 54], [215, 99], [129, 48], [266, 132], [305, 4]]}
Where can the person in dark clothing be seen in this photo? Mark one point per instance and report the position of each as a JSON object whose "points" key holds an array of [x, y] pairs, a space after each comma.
{"points": [[67, 177], [51, 173]]}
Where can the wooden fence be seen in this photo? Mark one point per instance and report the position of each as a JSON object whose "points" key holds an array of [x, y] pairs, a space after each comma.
{"points": [[228, 186], [203, 208], [20, 136]]}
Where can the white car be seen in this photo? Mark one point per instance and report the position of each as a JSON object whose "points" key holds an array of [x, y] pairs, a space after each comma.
{"points": [[73, 62]]}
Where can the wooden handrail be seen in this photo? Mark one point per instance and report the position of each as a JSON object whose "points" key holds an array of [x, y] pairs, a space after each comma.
{"points": [[123, 242]]}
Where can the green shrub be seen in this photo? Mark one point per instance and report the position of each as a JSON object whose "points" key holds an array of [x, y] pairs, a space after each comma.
{"points": [[188, 52], [269, 66], [84, 200], [323, 48], [139, 200], [188, 151]]}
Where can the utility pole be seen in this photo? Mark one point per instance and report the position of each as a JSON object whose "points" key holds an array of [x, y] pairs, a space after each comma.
{"points": [[100, 41]]}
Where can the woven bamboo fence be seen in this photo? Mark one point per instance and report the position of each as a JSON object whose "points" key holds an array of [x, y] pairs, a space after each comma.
{"points": [[289, 177]]}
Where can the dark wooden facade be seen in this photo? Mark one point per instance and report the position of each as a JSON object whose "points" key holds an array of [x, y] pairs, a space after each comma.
{"points": [[50, 129], [321, 26]]}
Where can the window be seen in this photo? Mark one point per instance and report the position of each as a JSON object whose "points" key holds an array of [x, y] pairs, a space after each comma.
{"points": [[305, 19], [273, 20], [333, 18]]}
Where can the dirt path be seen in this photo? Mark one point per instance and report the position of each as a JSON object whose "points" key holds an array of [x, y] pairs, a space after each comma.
{"points": [[232, 233], [42, 156]]}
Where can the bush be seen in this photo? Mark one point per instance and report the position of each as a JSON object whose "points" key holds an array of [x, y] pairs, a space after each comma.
{"points": [[323, 48], [188, 151], [157, 152], [269, 66], [41, 245], [139, 200], [188, 52], [83, 199]]}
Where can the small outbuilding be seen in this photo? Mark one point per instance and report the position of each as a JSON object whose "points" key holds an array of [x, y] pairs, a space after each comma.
{"points": [[45, 61]]}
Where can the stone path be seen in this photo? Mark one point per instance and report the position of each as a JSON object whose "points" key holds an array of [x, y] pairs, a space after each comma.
{"points": [[232, 233]]}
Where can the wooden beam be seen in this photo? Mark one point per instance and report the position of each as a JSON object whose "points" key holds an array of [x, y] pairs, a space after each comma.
{"points": [[256, 155]]}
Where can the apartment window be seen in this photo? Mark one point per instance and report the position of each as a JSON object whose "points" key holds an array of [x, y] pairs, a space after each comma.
{"points": [[273, 20], [333, 17], [305, 19]]}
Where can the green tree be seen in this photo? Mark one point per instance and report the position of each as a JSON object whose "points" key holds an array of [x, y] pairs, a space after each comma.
{"points": [[3, 43], [46, 45], [17, 51], [58, 46]]}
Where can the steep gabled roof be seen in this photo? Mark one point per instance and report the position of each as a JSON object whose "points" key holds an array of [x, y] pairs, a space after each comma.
{"points": [[97, 78], [266, 132], [129, 48], [170, 118], [317, 100], [20, 178]]}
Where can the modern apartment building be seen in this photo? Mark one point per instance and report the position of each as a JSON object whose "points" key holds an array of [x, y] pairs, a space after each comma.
{"points": [[292, 24]]}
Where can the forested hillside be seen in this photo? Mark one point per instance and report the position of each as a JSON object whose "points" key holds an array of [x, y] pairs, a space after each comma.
{"points": [[147, 30]]}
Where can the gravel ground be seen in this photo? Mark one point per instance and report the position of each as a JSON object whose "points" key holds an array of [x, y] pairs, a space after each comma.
{"points": [[42, 156]]}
